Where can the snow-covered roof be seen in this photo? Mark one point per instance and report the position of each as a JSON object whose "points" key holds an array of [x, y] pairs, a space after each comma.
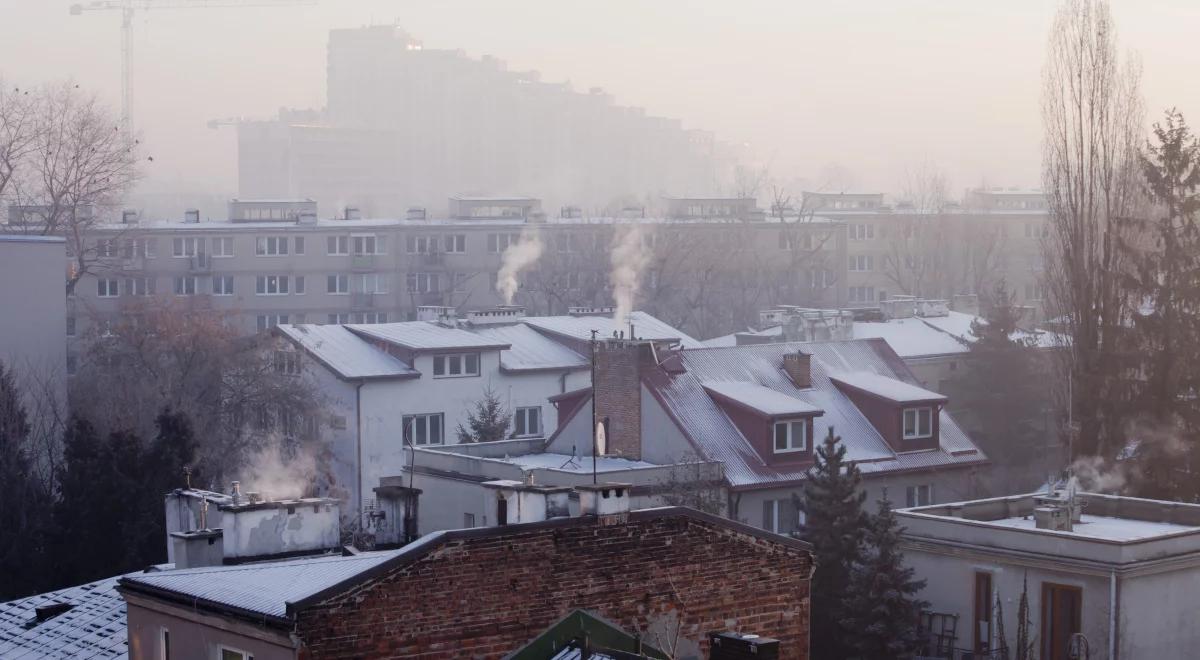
{"points": [[345, 353], [530, 350], [426, 336], [645, 326], [94, 627], [1104, 527], [263, 588], [886, 387], [761, 399], [686, 400], [570, 463]]}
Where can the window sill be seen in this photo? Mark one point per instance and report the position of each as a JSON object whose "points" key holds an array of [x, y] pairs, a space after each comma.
{"points": [[456, 376], [791, 451]]}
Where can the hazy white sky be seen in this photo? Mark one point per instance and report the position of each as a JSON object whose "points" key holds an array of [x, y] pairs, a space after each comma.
{"points": [[870, 85]]}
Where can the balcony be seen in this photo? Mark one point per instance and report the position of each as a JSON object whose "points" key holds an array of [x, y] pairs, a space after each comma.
{"points": [[362, 300], [133, 264], [200, 263], [362, 262], [433, 258]]}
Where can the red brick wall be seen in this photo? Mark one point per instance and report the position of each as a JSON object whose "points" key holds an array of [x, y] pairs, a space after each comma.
{"points": [[618, 392], [485, 597]]}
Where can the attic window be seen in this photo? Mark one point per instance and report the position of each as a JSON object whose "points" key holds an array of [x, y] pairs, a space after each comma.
{"points": [[791, 435], [918, 423]]}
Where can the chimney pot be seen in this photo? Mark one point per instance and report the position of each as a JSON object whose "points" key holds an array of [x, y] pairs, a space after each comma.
{"points": [[607, 501]]}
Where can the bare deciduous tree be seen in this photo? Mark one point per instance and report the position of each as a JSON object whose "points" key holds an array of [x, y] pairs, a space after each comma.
{"points": [[1091, 112]]}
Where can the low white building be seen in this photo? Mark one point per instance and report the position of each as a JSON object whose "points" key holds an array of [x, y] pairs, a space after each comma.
{"points": [[395, 387], [1120, 572]]}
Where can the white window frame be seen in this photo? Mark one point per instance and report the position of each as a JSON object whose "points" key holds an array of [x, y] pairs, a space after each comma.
{"points": [[140, 286], [272, 285], [412, 282], [186, 247], [862, 232], [912, 495], [455, 243], [521, 418], [164, 643], [455, 365], [373, 283], [917, 433], [222, 649], [298, 246], [359, 244], [421, 244], [268, 321], [108, 287], [420, 422], [862, 263], [221, 289], [792, 445], [337, 246], [337, 284], [186, 285], [498, 243], [222, 247], [339, 318], [271, 246]]}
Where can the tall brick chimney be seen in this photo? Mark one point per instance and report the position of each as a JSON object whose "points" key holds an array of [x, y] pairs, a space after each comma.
{"points": [[617, 388], [798, 366]]}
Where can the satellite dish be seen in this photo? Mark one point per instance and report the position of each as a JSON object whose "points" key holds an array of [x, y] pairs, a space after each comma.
{"points": [[600, 439]]}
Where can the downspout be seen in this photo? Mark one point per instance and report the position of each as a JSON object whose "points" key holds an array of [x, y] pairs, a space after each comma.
{"points": [[358, 444], [1112, 615]]}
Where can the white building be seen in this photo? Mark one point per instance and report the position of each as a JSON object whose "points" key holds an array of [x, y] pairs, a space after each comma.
{"points": [[393, 387], [1122, 572]]}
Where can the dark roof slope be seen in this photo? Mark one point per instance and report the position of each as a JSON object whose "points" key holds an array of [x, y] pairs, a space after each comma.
{"points": [[94, 626]]}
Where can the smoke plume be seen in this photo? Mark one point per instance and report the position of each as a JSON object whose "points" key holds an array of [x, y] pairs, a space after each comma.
{"points": [[517, 257], [629, 259], [279, 470]]}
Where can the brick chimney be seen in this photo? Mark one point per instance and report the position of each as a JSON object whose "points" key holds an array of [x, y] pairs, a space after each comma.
{"points": [[741, 646], [798, 366], [618, 391]]}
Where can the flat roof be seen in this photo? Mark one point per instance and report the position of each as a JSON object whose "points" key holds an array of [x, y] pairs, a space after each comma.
{"points": [[1104, 527], [30, 238]]}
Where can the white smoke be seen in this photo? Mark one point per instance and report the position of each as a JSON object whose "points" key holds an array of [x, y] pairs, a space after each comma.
{"points": [[1096, 475], [517, 257], [629, 259], [279, 471]]}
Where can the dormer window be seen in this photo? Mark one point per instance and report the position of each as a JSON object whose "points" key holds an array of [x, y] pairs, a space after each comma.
{"points": [[918, 423], [455, 365], [791, 435]]}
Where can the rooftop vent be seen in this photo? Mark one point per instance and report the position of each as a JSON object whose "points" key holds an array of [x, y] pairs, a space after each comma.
{"points": [[352, 213], [591, 311], [496, 315], [191, 216], [129, 217], [415, 213], [43, 613]]}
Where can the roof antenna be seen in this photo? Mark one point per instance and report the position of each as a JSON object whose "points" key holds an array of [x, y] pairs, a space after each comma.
{"points": [[187, 476]]}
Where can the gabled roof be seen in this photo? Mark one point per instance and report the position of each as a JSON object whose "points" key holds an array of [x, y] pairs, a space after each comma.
{"points": [[94, 627], [685, 399], [886, 387], [530, 350], [580, 328], [345, 353], [757, 398], [422, 336]]}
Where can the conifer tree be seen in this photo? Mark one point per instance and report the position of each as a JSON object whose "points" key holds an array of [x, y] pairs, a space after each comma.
{"points": [[24, 500], [1166, 279], [1003, 390], [490, 421], [882, 608], [834, 525], [1024, 647]]}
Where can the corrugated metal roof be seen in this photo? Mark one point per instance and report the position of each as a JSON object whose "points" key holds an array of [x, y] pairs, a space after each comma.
{"points": [[763, 399], [265, 588], [580, 327], [345, 352], [530, 349], [93, 628], [885, 387], [425, 336], [704, 421]]}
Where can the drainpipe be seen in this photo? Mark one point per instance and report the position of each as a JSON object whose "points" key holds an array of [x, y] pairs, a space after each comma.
{"points": [[1112, 615], [358, 445]]}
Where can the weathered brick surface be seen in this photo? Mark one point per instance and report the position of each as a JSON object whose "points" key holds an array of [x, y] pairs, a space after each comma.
{"points": [[618, 391], [485, 597]]}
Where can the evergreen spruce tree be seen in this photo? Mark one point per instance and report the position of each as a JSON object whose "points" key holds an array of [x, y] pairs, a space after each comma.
{"points": [[835, 523], [1165, 274], [1003, 391], [882, 609], [24, 500], [1024, 647], [490, 421]]}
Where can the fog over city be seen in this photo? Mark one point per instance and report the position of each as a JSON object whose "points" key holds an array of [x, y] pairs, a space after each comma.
{"points": [[520, 329], [867, 87]]}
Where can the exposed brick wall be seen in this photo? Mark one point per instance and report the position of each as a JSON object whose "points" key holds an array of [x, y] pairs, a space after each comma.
{"points": [[485, 597], [618, 392]]}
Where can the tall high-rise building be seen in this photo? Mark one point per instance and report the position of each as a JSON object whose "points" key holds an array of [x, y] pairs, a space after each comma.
{"points": [[409, 125]]}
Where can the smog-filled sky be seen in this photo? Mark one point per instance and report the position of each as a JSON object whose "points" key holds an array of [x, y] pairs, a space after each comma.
{"points": [[867, 87]]}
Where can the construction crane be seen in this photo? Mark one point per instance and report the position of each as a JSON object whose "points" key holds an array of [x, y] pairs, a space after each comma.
{"points": [[129, 7]]}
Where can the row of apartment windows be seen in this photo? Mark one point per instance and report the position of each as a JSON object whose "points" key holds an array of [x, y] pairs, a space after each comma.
{"points": [[430, 428], [785, 516], [281, 285], [268, 321]]}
